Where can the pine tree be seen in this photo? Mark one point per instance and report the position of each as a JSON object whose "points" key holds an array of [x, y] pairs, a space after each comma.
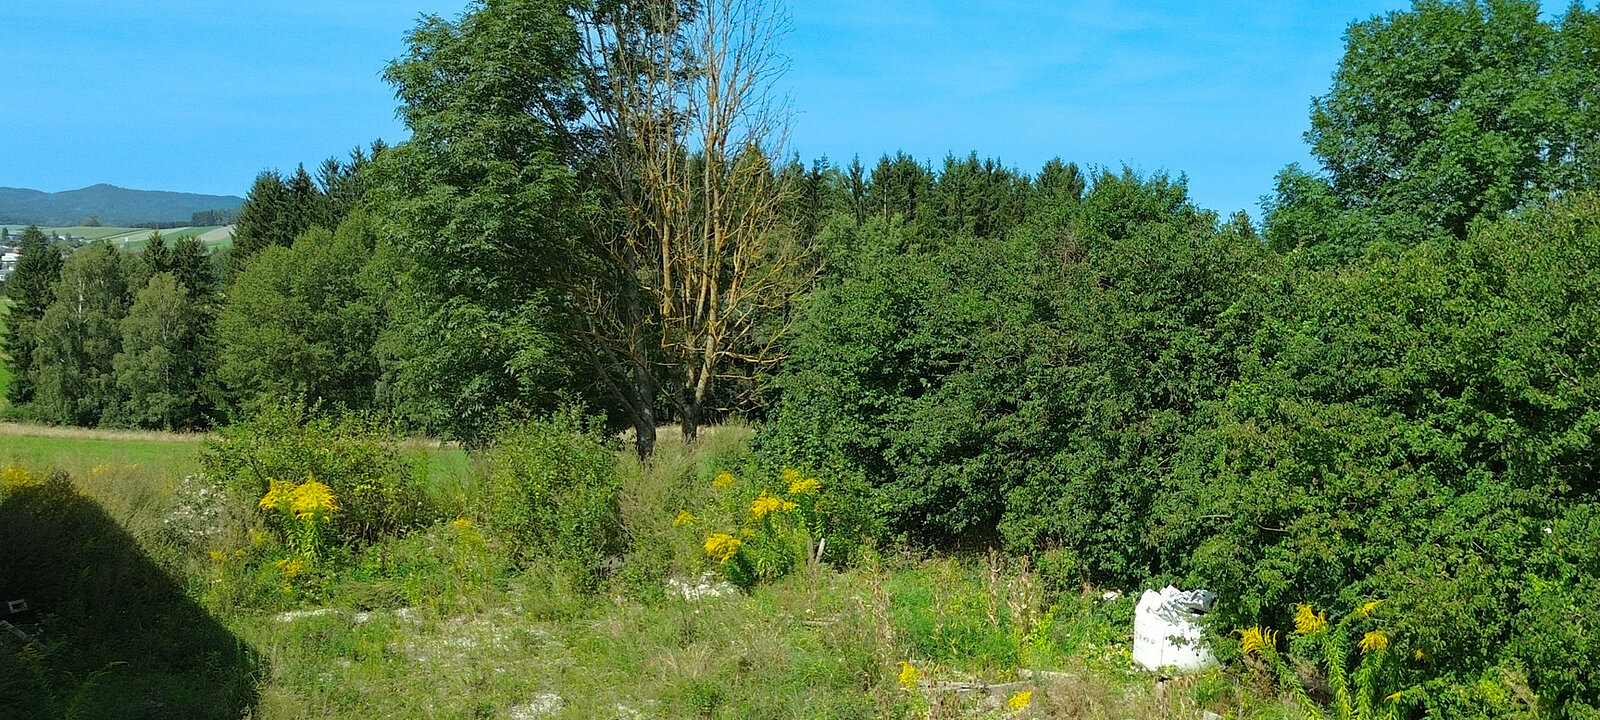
{"points": [[257, 228]]}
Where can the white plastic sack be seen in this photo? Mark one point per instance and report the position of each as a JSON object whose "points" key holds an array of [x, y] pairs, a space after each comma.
{"points": [[1165, 633]]}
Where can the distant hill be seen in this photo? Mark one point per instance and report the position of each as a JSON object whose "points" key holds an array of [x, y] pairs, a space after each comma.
{"points": [[111, 204]]}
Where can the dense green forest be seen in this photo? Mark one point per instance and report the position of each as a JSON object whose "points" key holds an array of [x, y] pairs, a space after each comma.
{"points": [[1389, 388]]}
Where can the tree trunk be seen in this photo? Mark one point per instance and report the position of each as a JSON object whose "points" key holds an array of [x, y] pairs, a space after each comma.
{"points": [[644, 429], [691, 418]]}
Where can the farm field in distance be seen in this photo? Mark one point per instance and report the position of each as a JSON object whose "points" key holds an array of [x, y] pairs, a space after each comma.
{"points": [[134, 239]]}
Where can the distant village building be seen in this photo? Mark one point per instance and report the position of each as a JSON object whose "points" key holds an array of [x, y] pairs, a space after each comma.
{"points": [[8, 261]]}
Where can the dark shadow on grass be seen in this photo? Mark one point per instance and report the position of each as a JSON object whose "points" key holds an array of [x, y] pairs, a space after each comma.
{"points": [[116, 636]]}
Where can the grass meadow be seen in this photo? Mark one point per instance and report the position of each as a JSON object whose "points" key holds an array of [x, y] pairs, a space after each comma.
{"points": [[144, 615]]}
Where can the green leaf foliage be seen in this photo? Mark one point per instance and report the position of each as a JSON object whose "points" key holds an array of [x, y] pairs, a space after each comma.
{"points": [[302, 321], [78, 337], [1419, 428], [29, 287], [161, 369]]}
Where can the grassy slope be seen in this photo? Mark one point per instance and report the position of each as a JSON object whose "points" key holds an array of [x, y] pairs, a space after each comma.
{"points": [[459, 632]]}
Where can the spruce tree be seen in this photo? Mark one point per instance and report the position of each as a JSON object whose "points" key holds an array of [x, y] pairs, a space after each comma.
{"points": [[29, 290]]}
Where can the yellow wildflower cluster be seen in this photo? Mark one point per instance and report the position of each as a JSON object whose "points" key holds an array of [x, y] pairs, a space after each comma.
{"points": [[1307, 622], [279, 496], [723, 480], [804, 486], [1020, 700], [1375, 641], [908, 674], [310, 500], [291, 568], [462, 524], [722, 547], [1257, 640], [1366, 608], [684, 518], [17, 477], [768, 504], [313, 501]]}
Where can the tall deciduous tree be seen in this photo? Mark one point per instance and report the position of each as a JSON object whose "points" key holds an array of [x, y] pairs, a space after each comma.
{"points": [[299, 321], [160, 369], [681, 95], [612, 160], [79, 336], [483, 203], [1442, 114]]}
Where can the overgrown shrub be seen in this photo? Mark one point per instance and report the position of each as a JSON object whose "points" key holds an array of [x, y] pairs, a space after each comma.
{"points": [[377, 485], [1034, 388], [1420, 428], [550, 487]]}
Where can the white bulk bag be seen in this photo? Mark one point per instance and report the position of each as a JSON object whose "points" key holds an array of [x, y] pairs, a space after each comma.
{"points": [[1165, 631]]}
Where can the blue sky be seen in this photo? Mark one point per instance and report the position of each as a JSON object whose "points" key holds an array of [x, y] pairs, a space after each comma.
{"points": [[199, 95]]}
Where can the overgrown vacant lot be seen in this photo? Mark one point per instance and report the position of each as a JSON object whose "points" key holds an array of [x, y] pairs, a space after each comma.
{"points": [[160, 596]]}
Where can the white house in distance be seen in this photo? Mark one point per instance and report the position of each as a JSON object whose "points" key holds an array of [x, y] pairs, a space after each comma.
{"points": [[8, 261]]}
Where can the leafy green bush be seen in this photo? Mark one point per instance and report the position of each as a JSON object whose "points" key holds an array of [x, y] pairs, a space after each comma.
{"points": [[376, 484], [1420, 428], [550, 486], [1035, 387]]}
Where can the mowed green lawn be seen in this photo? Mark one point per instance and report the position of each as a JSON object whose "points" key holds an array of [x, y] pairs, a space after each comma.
{"points": [[79, 453]]}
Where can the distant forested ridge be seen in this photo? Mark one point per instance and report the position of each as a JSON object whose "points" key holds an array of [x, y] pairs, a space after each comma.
{"points": [[111, 205]]}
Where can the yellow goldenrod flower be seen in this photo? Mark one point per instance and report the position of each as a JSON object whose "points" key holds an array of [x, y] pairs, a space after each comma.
{"points": [[218, 556], [16, 477], [908, 674], [723, 480], [278, 496], [1020, 700], [1374, 641], [1394, 696], [1366, 608], [312, 501], [722, 547], [768, 504], [462, 524], [1257, 640], [804, 486], [684, 518], [291, 568], [1418, 654], [1307, 622]]}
